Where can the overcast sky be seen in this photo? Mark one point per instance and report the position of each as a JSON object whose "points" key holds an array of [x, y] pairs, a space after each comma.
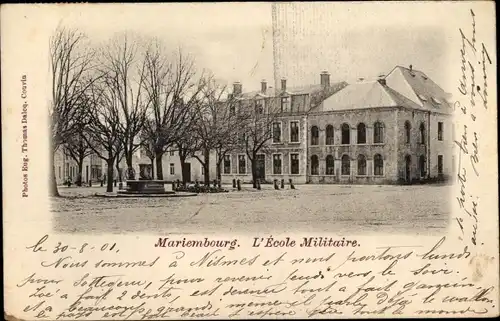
{"points": [[235, 40]]}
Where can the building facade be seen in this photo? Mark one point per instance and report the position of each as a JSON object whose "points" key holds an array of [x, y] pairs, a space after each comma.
{"points": [[391, 130], [395, 129]]}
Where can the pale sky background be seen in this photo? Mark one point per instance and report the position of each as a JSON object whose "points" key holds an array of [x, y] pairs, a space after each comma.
{"points": [[350, 40]]}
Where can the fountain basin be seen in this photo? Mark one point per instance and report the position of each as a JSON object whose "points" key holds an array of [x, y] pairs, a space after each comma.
{"points": [[146, 187]]}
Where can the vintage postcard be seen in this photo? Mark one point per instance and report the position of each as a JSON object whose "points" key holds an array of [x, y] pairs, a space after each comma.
{"points": [[250, 160]]}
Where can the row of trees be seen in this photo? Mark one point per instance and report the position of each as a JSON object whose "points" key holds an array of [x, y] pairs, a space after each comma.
{"points": [[130, 93]]}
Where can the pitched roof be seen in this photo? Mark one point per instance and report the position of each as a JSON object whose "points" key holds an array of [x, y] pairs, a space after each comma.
{"points": [[368, 94], [301, 90], [419, 88]]}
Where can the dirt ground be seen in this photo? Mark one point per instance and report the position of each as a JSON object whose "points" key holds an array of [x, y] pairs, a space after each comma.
{"points": [[352, 209]]}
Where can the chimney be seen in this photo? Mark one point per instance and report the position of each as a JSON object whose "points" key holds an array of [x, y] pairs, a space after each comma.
{"points": [[237, 88], [325, 79], [382, 81], [411, 67], [263, 86], [283, 84]]}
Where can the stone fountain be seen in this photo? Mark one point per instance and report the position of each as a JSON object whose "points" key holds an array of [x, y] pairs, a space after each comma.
{"points": [[145, 185]]}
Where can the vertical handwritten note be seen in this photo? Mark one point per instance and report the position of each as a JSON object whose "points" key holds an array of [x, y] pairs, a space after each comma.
{"points": [[471, 109]]}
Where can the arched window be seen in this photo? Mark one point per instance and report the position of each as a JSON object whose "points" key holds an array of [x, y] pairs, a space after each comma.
{"points": [[361, 165], [329, 135], [346, 134], [314, 165], [314, 135], [346, 165], [378, 164], [330, 165], [421, 164], [407, 131], [361, 133], [422, 133], [378, 133]]}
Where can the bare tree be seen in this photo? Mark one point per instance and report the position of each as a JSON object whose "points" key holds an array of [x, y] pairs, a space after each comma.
{"points": [[78, 149], [172, 91], [257, 129], [187, 146], [71, 60], [126, 74], [215, 124], [104, 126]]}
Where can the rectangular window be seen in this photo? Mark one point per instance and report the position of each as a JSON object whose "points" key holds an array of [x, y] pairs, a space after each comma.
{"points": [[285, 104], [227, 164], [440, 131], [202, 170], [277, 164], [59, 171], [259, 106], [172, 169], [440, 164], [242, 164], [172, 153], [294, 164], [276, 132], [294, 132]]}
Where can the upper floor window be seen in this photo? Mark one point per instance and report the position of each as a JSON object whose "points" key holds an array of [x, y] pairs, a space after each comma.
{"points": [[361, 133], [346, 134], [378, 133], [422, 133], [172, 153], [294, 131], [440, 131], [276, 132], [259, 106], [329, 135], [314, 135], [172, 169], [285, 104], [407, 132]]}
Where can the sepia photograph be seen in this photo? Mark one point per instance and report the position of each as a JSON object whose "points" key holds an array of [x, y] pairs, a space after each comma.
{"points": [[261, 125]]}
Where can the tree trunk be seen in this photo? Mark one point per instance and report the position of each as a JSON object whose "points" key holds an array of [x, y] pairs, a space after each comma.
{"points": [[152, 167], [80, 172], [183, 172], [53, 183], [206, 166], [118, 170], [109, 184], [159, 166], [254, 172], [128, 158]]}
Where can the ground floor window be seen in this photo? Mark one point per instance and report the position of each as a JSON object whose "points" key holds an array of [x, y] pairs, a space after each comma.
{"points": [[330, 165], [277, 164], [378, 163], [361, 165], [172, 169], [294, 164], [227, 164], [421, 164], [346, 165], [242, 164], [440, 164], [314, 165], [59, 168]]}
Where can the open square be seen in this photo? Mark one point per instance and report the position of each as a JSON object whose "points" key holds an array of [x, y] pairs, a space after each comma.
{"points": [[334, 209]]}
